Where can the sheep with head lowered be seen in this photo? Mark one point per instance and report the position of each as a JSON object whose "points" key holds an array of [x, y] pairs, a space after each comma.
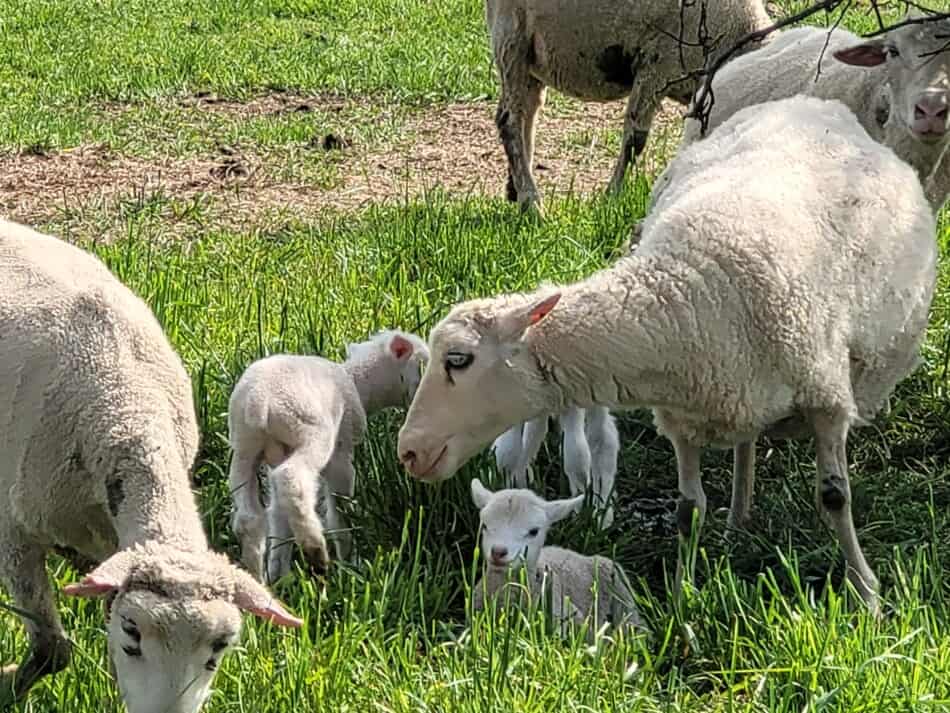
{"points": [[582, 589], [791, 305], [603, 50], [590, 446], [98, 433], [302, 416]]}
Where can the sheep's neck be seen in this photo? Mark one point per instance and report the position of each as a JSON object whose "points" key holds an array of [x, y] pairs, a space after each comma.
{"points": [[374, 388], [923, 158]]}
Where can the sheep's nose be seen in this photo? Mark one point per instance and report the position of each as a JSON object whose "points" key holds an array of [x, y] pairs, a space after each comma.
{"points": [[931, 111], [409, 460], [498, 554]]}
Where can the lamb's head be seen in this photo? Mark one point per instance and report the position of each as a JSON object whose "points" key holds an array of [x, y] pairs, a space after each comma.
{"points": [[917, 58], [483, 377], [515, 523], [172, 616], [395, 361]]}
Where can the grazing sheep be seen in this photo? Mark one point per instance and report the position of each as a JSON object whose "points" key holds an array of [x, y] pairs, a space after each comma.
{"points": [[98, 435], [590, 448], [787, 306], [303, 416], [514, 525], [602, 51], [898, 86]]}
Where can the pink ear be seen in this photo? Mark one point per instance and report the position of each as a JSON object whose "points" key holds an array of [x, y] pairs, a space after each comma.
{"points": [[869, 54], [400, 347], [90, 586], [273, 612], [540, 310], [252, 597]]}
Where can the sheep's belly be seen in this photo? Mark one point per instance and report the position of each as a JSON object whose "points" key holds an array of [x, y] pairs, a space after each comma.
{"points": [[703, 431]]}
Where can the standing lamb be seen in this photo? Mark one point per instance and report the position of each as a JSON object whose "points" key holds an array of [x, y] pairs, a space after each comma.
{"points": [[602, 50], [750, 306], [98, 433], [514, 525], [303, 416], [590, 445]]}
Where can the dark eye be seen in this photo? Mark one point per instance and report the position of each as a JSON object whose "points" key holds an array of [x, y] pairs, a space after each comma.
{"points": [[458, 360], [533, 532], [130, 629], [892, 51], [132, 651]]}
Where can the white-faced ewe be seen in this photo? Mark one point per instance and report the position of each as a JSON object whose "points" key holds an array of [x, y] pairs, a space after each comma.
{"points": [[514, 525], [898, 85], [590, 445], [787, 306], [302, 416], [603, 50], [98, 434]]}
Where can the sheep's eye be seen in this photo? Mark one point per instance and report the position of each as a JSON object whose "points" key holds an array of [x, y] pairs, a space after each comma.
{"points": [[533, 532], [130, 629], [458, 360], [132, 651], [892, 51]]}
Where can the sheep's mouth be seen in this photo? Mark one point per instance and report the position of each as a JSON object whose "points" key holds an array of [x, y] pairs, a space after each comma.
{"points": [[431, 470]]}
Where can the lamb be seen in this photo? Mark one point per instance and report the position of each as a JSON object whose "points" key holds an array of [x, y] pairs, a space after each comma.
{"points": [[603, 50], [98, 433], [791, 306], [302, 416], [514, 525], [590, 447]]}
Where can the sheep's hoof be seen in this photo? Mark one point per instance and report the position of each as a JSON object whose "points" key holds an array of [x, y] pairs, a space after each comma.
{"points": [[532, 207], [318, 562]]}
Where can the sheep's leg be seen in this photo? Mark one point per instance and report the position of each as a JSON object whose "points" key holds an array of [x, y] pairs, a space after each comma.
{"points": [[833, 496], [743, 484], [23, 574], [604, 442], [692, 498], [248, 520], [532, 437], [533, 105], [279, 553], [340, 478], [576, 450], [641, 108], [507, 448]]}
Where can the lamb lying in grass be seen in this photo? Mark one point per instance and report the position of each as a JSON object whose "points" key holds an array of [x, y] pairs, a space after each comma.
{"points": [[514, 525], [302, 416], [590, 445], [98, 435]]}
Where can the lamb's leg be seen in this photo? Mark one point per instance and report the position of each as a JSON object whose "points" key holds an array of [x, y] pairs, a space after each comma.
{"points": [[641, 108], [532, 438], [248, 520], [507, 448], [833, 496], [576, 450], [340, 479], [604, 441], [692, 497], [279, 552], [743, 484], [23, 574]]}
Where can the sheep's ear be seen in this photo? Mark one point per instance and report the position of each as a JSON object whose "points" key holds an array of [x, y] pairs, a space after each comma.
{"points": [[866, 54], [559, 509], [104, 579], [480, 494], [252, 597], [515, 322], [400, 347]]}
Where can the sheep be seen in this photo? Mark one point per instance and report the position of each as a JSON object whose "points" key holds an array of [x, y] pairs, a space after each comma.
{"points": [[791, 306], [603, 51], [302, 416], [590, 447], [514, 525], [898, 86], [98, 433]]}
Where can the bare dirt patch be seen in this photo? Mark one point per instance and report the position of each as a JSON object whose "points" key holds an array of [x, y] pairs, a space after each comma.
{"points": [[450, 147]]}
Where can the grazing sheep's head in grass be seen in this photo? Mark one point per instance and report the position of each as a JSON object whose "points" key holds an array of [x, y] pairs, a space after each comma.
{"points": [[917, 60], [515, 523], [483, 378], [398, 358], [172, 617]]}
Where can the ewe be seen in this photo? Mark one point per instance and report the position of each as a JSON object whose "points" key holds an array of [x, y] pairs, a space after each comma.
{"points": [[303, 416], [590, 445], [98, 434], [793, 304], [602, 50], [514, 525]]}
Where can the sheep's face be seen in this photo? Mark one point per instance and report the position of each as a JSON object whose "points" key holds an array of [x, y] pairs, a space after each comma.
{"points": [[398, 359], [514, 525], [482, 379], [917, 59]]}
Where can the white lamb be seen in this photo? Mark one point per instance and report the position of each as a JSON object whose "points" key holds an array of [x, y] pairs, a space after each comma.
{"points": [[98, 435], [590, 445], [790, 304], [302, 416], [514, 525], [603, 50]]}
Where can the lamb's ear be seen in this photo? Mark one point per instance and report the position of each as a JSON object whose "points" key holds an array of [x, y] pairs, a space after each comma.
{"points": [[513, 323], [480, 494], [866, 54], [252, 597], [104, 579], [559, 509], [400, 347]]}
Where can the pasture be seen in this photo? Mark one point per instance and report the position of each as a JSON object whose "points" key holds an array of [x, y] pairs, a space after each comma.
{"points": [[290, 175]]}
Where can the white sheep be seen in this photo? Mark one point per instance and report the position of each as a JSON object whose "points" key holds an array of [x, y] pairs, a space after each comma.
{"points": [[590, 446], [514, 525], [98, 434], [302, 416], [603, 50], [792, 303]]}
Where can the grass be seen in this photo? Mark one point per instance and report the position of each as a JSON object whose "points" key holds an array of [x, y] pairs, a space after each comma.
{"points": [[771, 627]]}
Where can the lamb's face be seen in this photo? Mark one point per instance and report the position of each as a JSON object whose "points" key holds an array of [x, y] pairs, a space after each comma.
{"points": [[481, 380], [411, 368]]}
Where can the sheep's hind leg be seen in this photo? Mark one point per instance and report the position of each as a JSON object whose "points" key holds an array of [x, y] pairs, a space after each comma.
{"points": [[743, 484], [248, 520], [576, 450], [23, 573], [532, 437], [692, 499], [340, 479], [641, 108], [833, 496]]}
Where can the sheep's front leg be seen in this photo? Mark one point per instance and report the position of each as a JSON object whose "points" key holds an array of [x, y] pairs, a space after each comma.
{"points": [[576, 450], [833, 496], [743, 484], [248, 521], [340, 480], [532, 438], [507, 448], [692, 499], [23, 574], [642, 106]]}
